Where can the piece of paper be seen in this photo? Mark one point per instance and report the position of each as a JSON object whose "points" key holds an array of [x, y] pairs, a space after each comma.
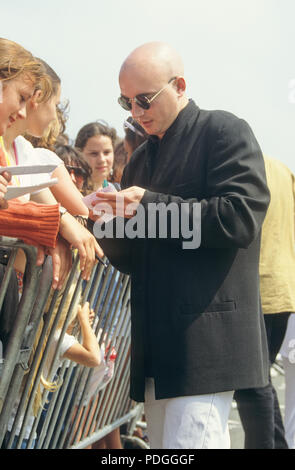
{"points": [[28, 169], [101, 208], [17, 191]]}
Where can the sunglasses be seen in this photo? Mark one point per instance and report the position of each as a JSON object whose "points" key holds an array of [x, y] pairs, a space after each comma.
{"points": [[78, 171], [141, 100]]}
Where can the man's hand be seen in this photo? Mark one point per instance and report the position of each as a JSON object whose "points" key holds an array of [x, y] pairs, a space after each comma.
{"points": [[5, 177], [121, 203]]}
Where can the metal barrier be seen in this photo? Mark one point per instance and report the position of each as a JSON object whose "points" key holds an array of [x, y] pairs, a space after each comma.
{"points": [[78, 413]]}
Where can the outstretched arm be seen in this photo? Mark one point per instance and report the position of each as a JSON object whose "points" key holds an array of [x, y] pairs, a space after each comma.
{"points": [[87, 353]]}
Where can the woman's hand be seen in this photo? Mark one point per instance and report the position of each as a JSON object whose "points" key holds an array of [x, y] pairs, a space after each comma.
{"points": [[61, 262], [79, 237]]}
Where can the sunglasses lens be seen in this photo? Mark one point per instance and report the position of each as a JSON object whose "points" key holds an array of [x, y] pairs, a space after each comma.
{"points": [[125, 103], [142, 101], [78, 172]]}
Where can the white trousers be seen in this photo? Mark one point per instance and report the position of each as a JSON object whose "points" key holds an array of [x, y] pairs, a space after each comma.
{"points": [[193, 422]]}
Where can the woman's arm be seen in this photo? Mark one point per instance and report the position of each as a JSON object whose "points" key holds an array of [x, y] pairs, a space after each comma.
{"points": [[75, 234], [87, 353], [66, 192]]}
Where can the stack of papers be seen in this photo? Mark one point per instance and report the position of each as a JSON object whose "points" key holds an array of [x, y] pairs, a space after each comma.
{"points": [[17, 191]]}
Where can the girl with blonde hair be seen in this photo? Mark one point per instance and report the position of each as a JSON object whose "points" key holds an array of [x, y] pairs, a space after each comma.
{"points": [[41, 111], [19, 74]]}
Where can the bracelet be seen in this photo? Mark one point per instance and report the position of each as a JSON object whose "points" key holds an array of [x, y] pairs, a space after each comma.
{"points": [[62, 211]]}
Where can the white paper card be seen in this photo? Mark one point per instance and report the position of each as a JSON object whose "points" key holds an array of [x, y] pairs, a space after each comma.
{"points": [[28, 169], [17, 191]]}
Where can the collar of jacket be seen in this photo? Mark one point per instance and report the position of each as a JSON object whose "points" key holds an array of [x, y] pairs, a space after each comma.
{"points": [[161, 156], [182, 120]]}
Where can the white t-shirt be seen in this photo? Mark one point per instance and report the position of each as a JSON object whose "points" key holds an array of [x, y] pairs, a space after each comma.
{"points": [[67, 342], [28, 155]]}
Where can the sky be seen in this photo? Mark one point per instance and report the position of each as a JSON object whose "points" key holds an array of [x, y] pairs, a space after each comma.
{"points": [[238, 56]]}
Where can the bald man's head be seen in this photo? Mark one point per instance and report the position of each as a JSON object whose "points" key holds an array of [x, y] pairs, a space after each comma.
{"points": [[157, 58], [154, 70]]}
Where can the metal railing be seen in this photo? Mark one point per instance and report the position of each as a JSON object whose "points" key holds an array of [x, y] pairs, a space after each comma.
{"points": [[71, 416]]}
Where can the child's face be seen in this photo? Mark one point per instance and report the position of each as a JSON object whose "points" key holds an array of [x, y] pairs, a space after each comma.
{"points": [[39, 117], [99, 154]]}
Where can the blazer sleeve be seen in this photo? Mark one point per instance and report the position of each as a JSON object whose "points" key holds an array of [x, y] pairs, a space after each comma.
{"points": [[237, 194]]}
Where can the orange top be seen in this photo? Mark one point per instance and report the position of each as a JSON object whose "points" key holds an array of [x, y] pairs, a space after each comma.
{"points": [[35, 224]]}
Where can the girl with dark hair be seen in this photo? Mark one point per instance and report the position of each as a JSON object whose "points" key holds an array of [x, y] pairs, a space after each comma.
{"points": [[96, 141]]}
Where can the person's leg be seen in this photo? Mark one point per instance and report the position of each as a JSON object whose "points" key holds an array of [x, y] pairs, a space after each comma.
{"points": [[198, 422], [259, 407], [289, 369], [155, 415], [278, 325], [192, 422], [113, 440], [255, 407]]}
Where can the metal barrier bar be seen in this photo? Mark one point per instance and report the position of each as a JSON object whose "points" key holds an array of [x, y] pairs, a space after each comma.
{"points": [[23, 407], [20, 338], [72, 420], [48, 344], [120, 364], [78, 412], [7, 275], [107, 429]]}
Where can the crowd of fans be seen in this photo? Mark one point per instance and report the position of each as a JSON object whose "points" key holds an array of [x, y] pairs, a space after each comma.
{"points": [[32, 129], [54, 220]]}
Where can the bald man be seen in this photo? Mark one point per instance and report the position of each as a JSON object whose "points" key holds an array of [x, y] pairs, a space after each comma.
{"points": [[197, 328]]}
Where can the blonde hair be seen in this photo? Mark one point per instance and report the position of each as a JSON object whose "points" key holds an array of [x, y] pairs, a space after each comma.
{"points": [[16, 61], [56, 128]]}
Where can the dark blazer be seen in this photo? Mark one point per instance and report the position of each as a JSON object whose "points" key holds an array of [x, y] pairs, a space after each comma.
{"points": [[197, 325]]}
